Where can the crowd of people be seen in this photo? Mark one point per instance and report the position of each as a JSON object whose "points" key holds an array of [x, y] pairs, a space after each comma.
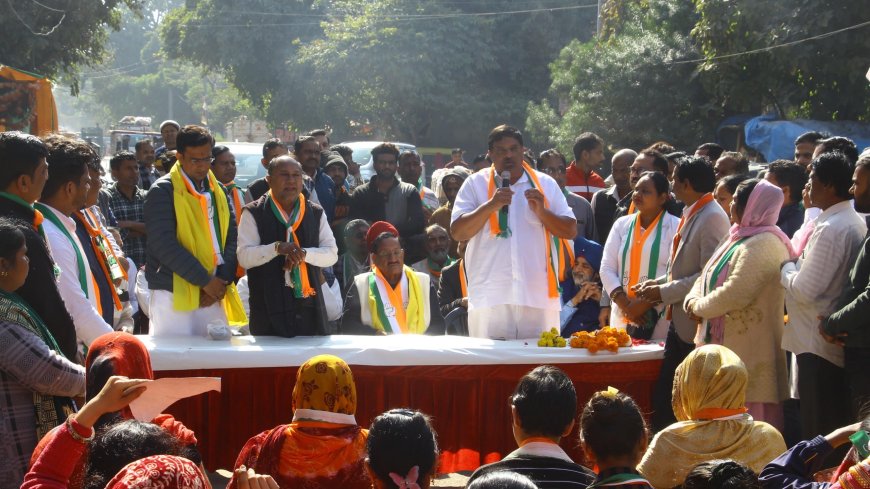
{"points": [[754, 281]]}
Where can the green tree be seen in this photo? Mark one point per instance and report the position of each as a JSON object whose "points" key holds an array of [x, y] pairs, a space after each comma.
{"points": [[627, 87], [56, 38], [428, 72], [819, 79]]}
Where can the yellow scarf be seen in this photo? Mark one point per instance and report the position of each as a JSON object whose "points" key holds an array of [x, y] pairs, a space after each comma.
{"points": [[194, 234], [411, 320]]}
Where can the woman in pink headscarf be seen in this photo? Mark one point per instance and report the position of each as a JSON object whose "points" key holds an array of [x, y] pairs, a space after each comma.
{"points": [[738, 301]]}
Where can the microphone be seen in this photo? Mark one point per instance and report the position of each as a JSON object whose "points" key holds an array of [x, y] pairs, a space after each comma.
{"points": [[505, 183]]}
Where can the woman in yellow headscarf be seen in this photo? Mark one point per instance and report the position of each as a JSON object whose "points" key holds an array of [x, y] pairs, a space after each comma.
{"points": [[712, 421], [322, 447]]}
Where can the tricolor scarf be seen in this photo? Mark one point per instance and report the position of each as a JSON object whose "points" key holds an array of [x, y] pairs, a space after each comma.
{"points": [[195, 231], [710, 277], [299, 274], [81, 263], [637, 252], [50, 410], [390, 315], [105, 254], [434, 269], [463, 279], [37, 216], [498, 225]]}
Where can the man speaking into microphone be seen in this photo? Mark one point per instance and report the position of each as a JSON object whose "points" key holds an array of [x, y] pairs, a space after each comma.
{"points": [[513, 218]]}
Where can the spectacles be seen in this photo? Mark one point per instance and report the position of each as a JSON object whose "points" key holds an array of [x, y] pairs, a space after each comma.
{"points": [[208, 160], [391, 254], [554, 170]]}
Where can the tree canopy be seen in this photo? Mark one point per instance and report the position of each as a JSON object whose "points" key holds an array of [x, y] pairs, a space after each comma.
{"points": [[56, 38]]}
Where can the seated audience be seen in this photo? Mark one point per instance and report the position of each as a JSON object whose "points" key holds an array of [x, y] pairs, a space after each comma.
{"points": [[392, 298], [402, 450], [437, 257], [712, 421], [614, 436], [130, 455], [36, 380], [581, 292], [795, 468], [120, 354], [721, 474], [323, 447], [502, 480], [543, 407], [453, 295]]}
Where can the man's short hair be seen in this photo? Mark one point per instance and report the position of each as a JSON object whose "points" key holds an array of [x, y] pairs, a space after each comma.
{"points": [[697, 171], [662, 147], [140, 143], [660, 163], [344, 150], [68, 160], [504, 131], [741, 162], [586, 142], [120, 157], [456, 151], [385, 149], [714, 151], [834, 168], [271, 144], [811, 137], [353, 225], [319, 132], [297, 145], [191, 136], [479, 158], [842, 144], [20, 154], [787, 172], [550, 153], [545, 401]]}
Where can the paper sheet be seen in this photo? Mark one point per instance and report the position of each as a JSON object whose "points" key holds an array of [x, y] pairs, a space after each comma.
{"points": [[162, 393]]}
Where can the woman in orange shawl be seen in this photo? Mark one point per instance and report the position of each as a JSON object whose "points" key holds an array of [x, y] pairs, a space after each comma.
{"points": [[322, 447]]}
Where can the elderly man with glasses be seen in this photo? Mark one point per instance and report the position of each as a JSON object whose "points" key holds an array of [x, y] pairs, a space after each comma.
{"points": [[553, 163]]}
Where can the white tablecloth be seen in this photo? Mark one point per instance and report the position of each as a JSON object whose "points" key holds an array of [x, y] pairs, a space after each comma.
{"points": [[189, 353]]}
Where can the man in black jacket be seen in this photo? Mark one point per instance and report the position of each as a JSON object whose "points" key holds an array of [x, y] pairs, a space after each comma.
{"points": [[23, 173], [191, 256], [284, 241]]}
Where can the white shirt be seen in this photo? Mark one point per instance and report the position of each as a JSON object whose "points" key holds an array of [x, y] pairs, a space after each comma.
{"points": [[510, 270], [813, 285], [88, 321], [253, 253], [612, 267]]}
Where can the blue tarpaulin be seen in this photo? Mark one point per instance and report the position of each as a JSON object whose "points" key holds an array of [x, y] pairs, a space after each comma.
{"points": [[774, 138]]}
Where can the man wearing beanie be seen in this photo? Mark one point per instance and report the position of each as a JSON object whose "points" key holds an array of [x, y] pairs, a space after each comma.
{"points": [[169, 130]]}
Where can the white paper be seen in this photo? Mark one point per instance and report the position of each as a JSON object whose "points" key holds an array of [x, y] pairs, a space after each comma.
{"points": [[161, 393]]}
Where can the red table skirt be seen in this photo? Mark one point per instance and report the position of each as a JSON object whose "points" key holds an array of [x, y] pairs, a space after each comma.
{"points": [[468, 404]]}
